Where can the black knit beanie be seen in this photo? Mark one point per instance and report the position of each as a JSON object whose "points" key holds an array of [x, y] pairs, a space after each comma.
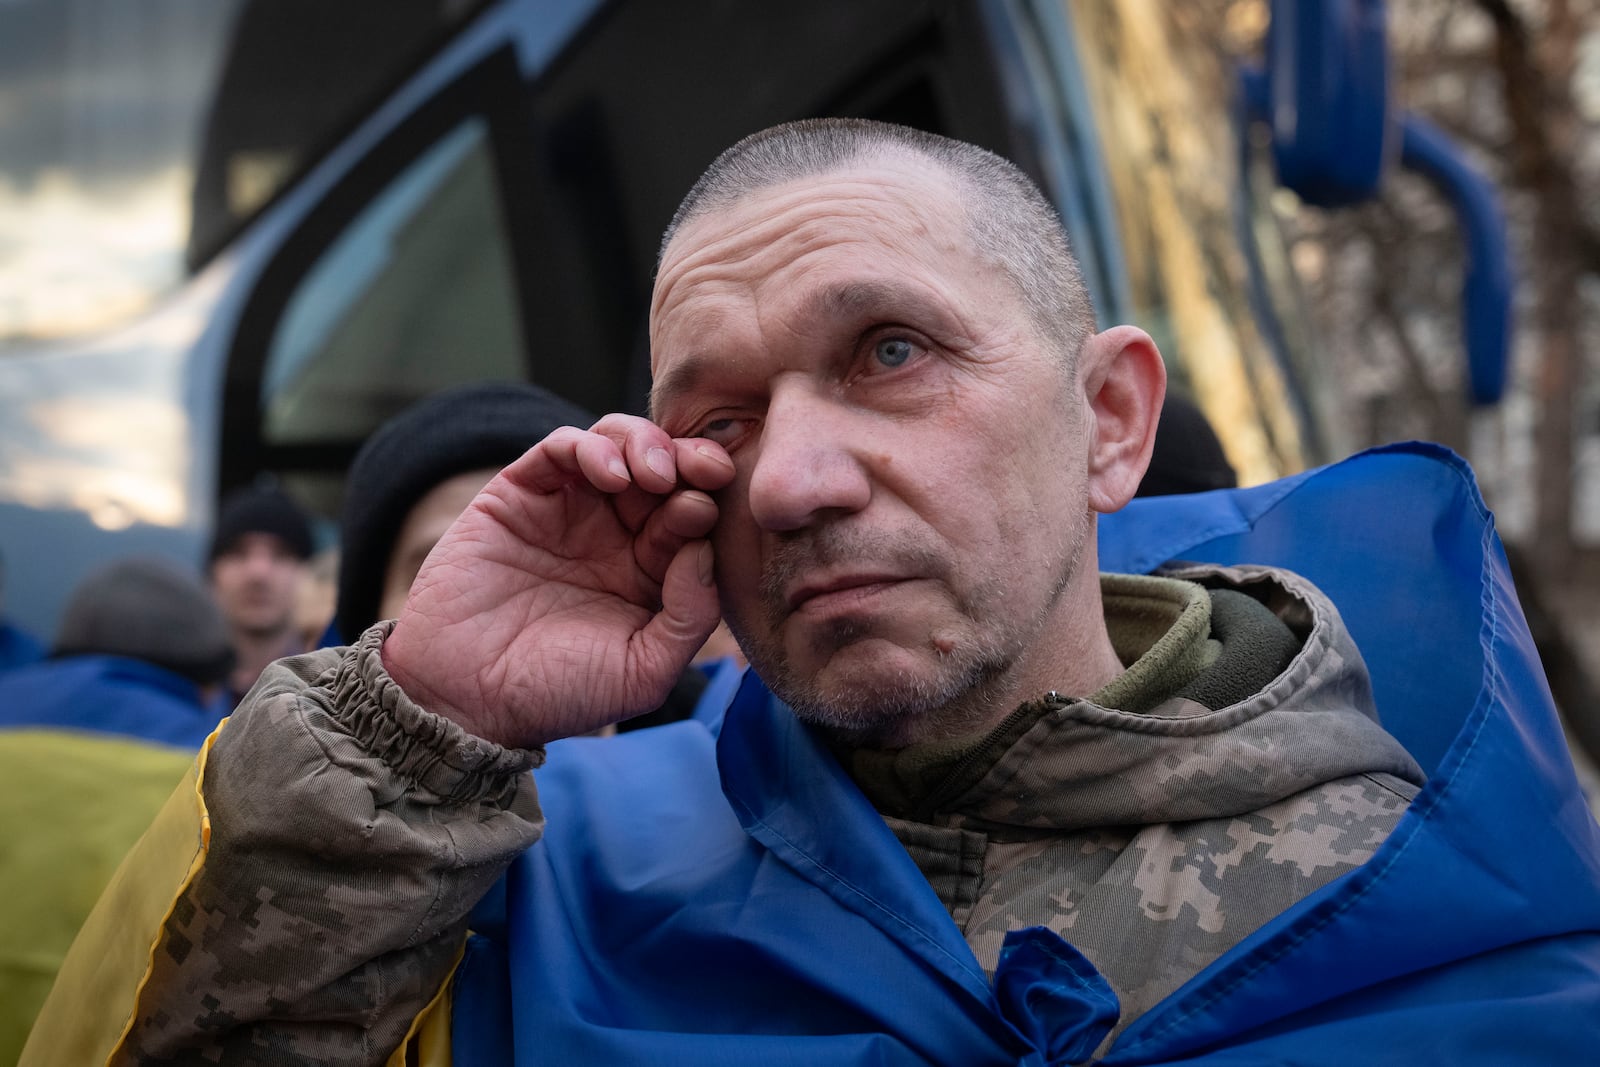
{"points": [[485, 424], [150, 609], [261, 509]]}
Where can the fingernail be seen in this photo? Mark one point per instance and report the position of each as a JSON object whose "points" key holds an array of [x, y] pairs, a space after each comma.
{"points": [[659, 461], [619, 468], [715, 453], [708, 564]]}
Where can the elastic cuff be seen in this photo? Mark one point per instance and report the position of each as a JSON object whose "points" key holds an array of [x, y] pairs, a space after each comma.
{"points": [[425, 749]]}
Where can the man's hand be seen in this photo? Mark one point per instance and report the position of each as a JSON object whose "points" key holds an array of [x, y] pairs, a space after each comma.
{"points": [[574, 589]]}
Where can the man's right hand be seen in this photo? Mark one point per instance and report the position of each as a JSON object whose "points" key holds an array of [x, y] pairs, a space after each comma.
{"points": [[572, 592]]}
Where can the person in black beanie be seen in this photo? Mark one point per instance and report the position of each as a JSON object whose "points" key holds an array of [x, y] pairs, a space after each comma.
{"points": [[257, 566], [417, 473], [420, 470]]}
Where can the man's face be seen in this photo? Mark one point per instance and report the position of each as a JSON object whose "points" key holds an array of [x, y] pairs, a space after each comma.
{"points": [[424, 524], [900, 549], [256, 582]]}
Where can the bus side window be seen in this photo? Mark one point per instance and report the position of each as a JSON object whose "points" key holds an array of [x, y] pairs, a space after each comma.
{"points": [[417, 294]]}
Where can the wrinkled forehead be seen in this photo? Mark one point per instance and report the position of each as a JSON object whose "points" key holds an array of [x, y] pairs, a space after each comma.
{"points": [[888, 174], [904, 206]]}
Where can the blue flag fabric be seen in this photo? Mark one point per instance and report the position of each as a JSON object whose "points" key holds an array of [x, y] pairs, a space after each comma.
{"points": [[729, 897], [106, 695]]}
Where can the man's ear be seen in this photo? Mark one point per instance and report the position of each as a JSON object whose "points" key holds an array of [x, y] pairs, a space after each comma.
{"points": [[1123, 381]]}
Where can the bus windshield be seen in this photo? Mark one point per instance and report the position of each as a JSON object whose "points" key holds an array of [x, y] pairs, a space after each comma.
{"points": [[136, 138]]}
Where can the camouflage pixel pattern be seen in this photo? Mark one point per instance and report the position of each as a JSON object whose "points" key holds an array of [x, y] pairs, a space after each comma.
{"points": [[1155, 842], [347, 826], [352, 832]]}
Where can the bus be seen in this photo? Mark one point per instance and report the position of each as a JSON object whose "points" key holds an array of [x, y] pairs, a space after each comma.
{"points": [[311, 215]]}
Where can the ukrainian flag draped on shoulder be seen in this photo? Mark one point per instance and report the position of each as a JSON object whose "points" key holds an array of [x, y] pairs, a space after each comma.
{"points": [[707, 896]]}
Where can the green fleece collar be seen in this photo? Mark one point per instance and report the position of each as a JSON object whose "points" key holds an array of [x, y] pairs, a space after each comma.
{"points": [[1161, 629]]}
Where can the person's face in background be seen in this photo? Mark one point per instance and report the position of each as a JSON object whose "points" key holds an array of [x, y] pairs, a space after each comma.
{"points": [[425, 523], [256, 582]]}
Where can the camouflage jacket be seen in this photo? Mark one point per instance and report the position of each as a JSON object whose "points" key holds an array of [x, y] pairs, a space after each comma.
{"points": [[1155, 835], [347, 833]]}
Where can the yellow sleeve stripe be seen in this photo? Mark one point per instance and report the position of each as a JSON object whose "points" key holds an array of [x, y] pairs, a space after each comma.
{"points": [[427, 1043]]}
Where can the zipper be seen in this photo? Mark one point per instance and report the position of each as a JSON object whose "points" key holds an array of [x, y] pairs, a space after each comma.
{"points": [[954, 783]]}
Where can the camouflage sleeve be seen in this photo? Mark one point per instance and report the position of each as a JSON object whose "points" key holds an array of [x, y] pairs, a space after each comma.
{"points": [[351, 832]]}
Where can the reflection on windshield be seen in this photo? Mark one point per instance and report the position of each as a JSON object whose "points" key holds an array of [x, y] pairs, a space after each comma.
{"points": [[100, 101], [417, 294], [102, 429], [135, 138], [75, 475], [1161, 96]]}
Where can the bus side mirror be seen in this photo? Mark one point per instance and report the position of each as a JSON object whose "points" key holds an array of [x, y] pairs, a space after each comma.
{"points": [[1335, 133], [1327, 102]]}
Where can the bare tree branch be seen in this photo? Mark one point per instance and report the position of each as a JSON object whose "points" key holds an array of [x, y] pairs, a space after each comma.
{"points": [[1534, 81]]}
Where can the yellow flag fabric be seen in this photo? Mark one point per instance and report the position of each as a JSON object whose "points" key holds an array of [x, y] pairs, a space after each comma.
{"points": [[74, 804]]}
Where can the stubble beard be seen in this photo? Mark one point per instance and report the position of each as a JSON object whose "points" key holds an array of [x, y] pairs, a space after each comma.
{"points": [[875, 706]]}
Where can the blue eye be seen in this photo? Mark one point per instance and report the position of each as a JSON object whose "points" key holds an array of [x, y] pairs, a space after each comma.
{"points": [[723, 431], [892, 351]]}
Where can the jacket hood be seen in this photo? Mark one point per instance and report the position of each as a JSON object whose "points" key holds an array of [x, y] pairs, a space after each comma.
{"points": [[778, 920], [1082, 765], [1498, 857]]}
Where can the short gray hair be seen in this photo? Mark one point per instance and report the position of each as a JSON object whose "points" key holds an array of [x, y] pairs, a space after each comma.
{"points": [[1010, 220]]}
